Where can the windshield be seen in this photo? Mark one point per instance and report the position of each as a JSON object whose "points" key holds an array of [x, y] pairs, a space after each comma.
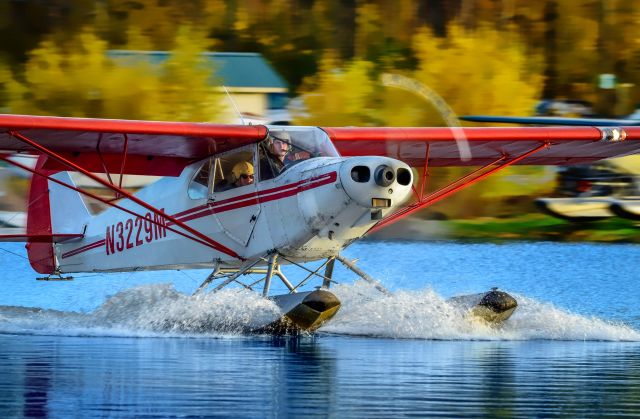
{"points": [[287, 146], [311, 140]]}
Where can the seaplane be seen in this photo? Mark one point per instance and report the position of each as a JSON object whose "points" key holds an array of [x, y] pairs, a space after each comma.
{"points": [[244, 201]]}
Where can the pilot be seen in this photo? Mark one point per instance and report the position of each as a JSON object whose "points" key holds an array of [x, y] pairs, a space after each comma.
{"points": [[273, 162], [241, 175]]}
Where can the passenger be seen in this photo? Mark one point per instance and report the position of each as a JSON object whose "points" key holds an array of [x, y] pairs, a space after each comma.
{"points": [[273, 162], [241, 175]]}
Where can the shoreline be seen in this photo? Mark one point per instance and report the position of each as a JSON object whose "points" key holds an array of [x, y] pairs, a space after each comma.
{"points": [[528, 227]]}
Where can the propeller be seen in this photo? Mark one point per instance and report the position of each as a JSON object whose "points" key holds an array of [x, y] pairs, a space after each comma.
{"points": [[411, 85]]}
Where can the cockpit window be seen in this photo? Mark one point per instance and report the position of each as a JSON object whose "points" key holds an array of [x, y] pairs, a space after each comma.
{"points": [[235, 169], [230, 170], [285, 147], [199, 186]]}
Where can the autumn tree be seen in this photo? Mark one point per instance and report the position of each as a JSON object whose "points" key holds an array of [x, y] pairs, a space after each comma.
{"points": [[339, 95], [485, 71], [473, 72], [480, 72], [79, 79], [189, 91]]}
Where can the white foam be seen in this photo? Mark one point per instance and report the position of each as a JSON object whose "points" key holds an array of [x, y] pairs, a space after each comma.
{"points": [[160, 310], [426, 315], [538, 320], [150, 310]]}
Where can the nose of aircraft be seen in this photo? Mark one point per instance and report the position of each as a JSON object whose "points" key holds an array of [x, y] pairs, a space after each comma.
{"points": [[376, 182]]}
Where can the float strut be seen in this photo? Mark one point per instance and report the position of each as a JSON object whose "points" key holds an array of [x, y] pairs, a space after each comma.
{"points": [[270, 270], [284, 279], [362, 275], [241, 271], [328, 273], [211, 277]]}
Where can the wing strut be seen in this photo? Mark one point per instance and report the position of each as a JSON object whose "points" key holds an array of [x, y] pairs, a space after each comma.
{"points": [[124, 159], [122, 165], [425, 174], [468, 180], [119, 191], [99, 153]]}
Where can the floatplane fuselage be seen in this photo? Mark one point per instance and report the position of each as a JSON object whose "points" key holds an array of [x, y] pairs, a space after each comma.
{"points": [[310, 211]]}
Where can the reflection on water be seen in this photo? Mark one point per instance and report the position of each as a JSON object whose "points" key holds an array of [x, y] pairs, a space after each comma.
{"points": [[318, 376], [37, 373], [80, 377]]}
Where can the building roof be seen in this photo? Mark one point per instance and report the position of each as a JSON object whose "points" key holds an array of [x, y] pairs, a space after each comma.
{"points": [[236, 69]]}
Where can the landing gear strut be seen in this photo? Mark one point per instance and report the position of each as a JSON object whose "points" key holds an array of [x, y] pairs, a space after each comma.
{"points": [[307, 311], [55, 276], [303, 311]]}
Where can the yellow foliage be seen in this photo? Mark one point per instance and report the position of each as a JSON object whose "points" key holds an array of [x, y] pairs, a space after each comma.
{"points": [[78, 79], [484, 71], [136, 40], [339, 96], [186, 80], [241, 23], [158, 20], [480, 72]]}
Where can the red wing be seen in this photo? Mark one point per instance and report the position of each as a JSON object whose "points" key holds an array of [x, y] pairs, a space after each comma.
{"points": [[152, 148], [567, 145]]}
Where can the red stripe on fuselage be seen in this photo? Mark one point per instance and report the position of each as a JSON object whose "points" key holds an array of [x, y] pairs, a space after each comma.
{"points": [[236, 202], [259, 197], [332, 175], [83, 248]]}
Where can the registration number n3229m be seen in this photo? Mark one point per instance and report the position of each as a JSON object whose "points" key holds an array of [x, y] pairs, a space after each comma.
{"points": [[134, 232]]}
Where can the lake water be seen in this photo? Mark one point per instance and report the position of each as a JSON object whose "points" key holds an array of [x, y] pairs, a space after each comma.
{"points": [[140, 345]]}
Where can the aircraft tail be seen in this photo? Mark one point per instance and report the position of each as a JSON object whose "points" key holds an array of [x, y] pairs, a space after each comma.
{"points": [[55, 213]]}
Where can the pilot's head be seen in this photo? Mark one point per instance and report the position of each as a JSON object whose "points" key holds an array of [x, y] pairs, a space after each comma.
{"points": [[242, 173], [280, 144]]}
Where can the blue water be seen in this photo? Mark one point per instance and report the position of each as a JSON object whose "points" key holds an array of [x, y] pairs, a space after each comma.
{"points": [[140, 345]]}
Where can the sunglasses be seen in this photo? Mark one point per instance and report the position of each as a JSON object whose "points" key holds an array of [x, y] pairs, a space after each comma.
{"points": [[246, 176]]}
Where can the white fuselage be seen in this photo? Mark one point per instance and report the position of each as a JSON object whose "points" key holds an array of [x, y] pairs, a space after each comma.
{"points": [[311, 211]]}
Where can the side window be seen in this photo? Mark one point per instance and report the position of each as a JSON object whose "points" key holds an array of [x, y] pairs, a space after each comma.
{"points": [[199, 186], [234, 169]]}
